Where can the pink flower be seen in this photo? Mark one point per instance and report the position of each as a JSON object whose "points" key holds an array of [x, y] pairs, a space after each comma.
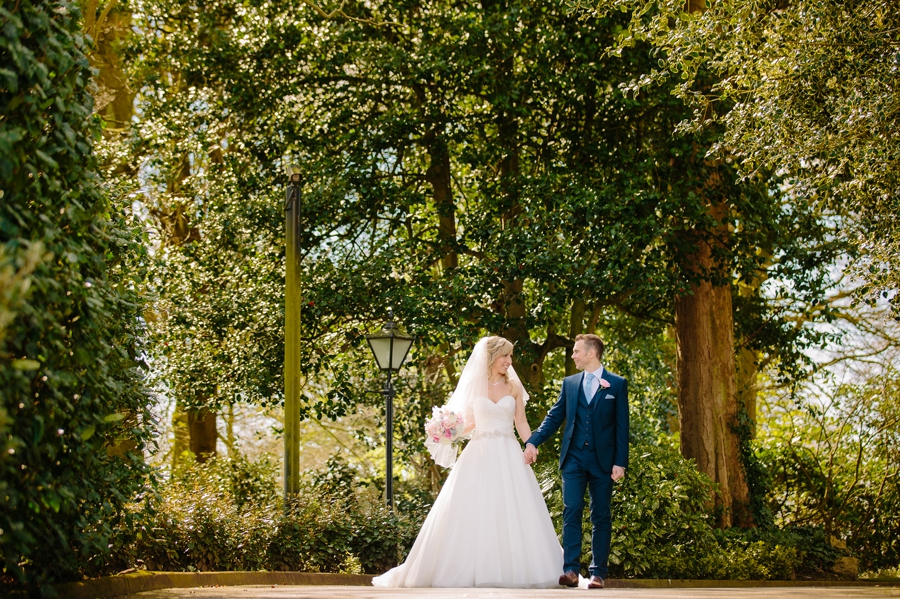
{"points": [[444, 426], [604, 383]]}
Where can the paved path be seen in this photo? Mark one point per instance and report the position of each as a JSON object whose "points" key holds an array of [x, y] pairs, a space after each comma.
{"points": [[334, 592]]}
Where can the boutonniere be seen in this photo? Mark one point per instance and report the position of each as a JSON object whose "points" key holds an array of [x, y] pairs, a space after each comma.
{"points": [[604, 383]]}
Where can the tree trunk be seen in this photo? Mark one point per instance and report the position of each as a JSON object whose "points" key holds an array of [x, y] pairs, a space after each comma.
{"points": [[115, 98], [700, 416], [707, 386], [449, 367], [109, 24], [438, 175], [748, 358], [182, 440], [672, 381], [747, 386], [202, 426], [230, 439], [726, 383], [695, 6], [576, 327], [527, 360]]}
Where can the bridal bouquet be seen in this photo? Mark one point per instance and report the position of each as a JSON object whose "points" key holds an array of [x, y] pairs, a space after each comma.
{"points": [[442, 433]]}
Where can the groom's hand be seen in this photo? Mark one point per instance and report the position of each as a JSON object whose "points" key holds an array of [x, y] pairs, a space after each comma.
{"points": [[618, 472], [530, 454]]}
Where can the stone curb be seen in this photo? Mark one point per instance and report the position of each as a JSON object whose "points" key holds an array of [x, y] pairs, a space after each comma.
{"points": [[114, 586], [127, 584]]}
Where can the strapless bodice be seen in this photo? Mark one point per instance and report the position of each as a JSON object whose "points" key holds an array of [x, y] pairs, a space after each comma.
{"points": [[494, 417]]}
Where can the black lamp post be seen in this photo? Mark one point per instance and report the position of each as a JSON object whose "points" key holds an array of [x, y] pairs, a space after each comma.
{"points": [[390, 348]]}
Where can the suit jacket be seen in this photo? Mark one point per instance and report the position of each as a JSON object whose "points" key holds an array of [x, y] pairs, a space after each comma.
{"points": [[609, 422]]}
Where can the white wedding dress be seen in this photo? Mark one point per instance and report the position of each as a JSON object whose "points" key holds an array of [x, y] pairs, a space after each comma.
{"points": [[489, 526]]}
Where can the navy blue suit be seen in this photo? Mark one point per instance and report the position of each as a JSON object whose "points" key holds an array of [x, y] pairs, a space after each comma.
{"points": [[595, 439]]}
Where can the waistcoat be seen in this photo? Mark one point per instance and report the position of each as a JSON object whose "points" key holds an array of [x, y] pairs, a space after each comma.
{"points": [[584, 429]]}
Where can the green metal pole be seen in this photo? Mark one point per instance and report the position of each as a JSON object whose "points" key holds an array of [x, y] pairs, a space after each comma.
{"points": [[292, 305]]}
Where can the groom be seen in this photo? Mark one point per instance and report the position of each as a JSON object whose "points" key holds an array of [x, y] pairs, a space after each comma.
{"points": [[594, 454]]}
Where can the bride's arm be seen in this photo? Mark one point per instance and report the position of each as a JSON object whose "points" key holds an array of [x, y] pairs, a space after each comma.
{"points": [[470, 425], [521, 421], [470, 421]]}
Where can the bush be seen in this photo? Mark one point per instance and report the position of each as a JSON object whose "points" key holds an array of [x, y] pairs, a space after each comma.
{"points": [[229, 515], [873, 528], [796, 551], [662, 528], [661, 517], [835, 465], [73, 417]]}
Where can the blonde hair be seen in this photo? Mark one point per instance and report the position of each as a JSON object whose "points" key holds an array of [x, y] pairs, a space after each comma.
{"points": [[497, 347]]}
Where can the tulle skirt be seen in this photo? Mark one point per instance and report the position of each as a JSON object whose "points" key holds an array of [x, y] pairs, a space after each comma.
{"points": [[489, 526]]}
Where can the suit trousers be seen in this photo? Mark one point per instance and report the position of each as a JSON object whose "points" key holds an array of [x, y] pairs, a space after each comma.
{"points": [[581, 472]]}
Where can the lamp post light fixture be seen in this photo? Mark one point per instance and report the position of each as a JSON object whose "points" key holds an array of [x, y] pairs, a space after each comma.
{"points": [[292, 305], [390, 348]]}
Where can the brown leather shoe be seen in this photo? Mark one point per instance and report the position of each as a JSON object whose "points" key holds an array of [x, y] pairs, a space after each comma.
{"points": [[595, 583], [569, 579]]}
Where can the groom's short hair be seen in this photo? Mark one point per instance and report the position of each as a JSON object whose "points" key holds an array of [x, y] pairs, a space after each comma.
{"points": [[592, 342]]}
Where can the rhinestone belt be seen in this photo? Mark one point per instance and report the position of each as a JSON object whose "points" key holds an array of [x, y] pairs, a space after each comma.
{"points": [[492, 435]]}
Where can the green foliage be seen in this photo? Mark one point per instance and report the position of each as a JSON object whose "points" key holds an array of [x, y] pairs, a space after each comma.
{"points": [[644, 353], [486, 174], [807, 88], [759, 479], [482, 168], [212, 192], [834, 463], [73, 415], [662, 518], [228, 515], [336, 478], [662, 528], [874, 528]]}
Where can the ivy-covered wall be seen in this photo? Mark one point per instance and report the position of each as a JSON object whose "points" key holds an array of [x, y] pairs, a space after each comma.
{"points": [[73, 414]]}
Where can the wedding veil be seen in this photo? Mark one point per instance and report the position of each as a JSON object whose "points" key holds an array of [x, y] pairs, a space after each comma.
{"points": [[473, 382]]}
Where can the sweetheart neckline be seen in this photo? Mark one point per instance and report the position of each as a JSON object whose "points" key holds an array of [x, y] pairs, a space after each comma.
{"points": [[498, 401]]}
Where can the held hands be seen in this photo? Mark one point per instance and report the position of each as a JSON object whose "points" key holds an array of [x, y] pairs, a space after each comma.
{"points": [[530, 453]]}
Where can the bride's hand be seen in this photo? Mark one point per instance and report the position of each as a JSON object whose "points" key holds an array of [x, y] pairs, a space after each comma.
{"points": [[530, 454]]}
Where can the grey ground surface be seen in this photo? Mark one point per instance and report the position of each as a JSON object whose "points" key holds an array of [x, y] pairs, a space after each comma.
{"points": [[336, 592]]}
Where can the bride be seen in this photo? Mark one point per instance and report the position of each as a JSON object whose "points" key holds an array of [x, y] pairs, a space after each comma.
{"points": [[489, 526]]}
